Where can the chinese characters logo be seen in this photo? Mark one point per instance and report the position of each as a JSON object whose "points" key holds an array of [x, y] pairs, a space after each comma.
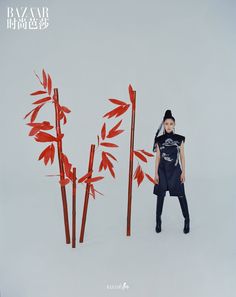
{"points": [[27, 18]]}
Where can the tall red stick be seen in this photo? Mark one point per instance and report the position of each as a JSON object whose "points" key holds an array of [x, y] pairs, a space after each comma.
{"points": [[86, 198], [61, 167], [74, 208], [131, 158]]}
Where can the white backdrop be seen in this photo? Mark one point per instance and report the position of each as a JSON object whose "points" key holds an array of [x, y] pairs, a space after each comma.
{"points": [[178, 55]]}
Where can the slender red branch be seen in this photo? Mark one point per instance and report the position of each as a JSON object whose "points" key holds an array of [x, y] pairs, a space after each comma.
{"points": [[131, 157], [61, 167], [86, 198], [74, 208]]}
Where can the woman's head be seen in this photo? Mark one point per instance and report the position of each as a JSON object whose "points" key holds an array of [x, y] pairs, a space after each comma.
{"points": [[168, 121], [169, 124]]}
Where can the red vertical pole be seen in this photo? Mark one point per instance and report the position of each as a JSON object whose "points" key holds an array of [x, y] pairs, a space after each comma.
{"points": [[74, 209], [61, 167], [86, 198], [131, 158]]}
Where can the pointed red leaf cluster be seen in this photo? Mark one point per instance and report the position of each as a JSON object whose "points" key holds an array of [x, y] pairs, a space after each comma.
{"points": [[105, 161], [48, 154], [36, 127], [89, 180], [118, 111], [139, 173]]}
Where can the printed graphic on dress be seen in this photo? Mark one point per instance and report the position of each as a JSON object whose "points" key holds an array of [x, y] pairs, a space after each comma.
{"points": [[170, 142]]}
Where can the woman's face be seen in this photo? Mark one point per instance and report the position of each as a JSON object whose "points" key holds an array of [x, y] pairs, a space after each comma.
{"points": [[169, 125]]}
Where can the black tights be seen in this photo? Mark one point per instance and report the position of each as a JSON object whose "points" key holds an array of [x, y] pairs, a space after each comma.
{"points": [[183, 205]]}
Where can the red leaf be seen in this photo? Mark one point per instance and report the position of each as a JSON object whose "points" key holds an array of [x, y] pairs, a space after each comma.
{"points": [[111, 171], [35, 112], [64, 182], [28, 113], [122, 110], [117, 111], [137, 171], [46, 153], [44, 79], [116, 101], [139, 175], [38, 93], [146, 153], [64, 119], [52, 155], [80, 180], [42, 100], [61, 115], [114, 133], [101, 166], [93, 179], [108, 144], [49, 84], [103, 131], [116, 126], [110, 156], [44, 137], [33, 131], [38, 78], [150, 178], [65, 109], [140, 156], [43, 152], [67, 166], [92, 190]]}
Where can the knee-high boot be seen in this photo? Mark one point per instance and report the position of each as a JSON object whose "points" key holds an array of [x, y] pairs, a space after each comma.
{"points": [[184, 207], [159, 207]]}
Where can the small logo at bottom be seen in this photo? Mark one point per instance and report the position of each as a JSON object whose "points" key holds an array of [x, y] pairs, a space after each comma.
{"points": [[120, 286]]}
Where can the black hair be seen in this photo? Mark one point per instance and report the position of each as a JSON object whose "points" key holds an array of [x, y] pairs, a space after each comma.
{"points": [[168, 115]]}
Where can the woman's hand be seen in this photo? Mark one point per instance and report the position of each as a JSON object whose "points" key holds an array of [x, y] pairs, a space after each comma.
{"points": [[182, 177], [156, 178]]}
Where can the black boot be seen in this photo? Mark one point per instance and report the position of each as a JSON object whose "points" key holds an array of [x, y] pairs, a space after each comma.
{"points": [[158, 225], [186, 225], [184, 208], [159, 207]]}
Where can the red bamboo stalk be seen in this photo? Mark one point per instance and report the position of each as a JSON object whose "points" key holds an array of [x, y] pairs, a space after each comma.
{"points": [[131, 158], [86, 198], [61, 167], [74, 208]]}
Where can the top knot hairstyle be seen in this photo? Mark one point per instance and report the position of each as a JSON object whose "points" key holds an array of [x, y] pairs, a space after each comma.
{"points": [[168, 115]]}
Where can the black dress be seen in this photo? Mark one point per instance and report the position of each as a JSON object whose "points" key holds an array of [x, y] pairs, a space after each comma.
{"points": [[169, 169]]}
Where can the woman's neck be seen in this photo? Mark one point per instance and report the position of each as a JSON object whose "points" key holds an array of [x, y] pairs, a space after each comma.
{"points": [[169, 133]]}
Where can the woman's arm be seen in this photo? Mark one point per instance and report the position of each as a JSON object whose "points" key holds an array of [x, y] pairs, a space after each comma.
{"points": [[182, 159], [157, 161]]}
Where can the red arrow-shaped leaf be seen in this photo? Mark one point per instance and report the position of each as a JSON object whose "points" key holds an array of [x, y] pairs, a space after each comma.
{"points": [[38, 93], [140, 156]]}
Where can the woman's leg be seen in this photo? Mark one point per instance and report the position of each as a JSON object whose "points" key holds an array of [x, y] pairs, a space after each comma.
{"points": [[159, 207], [184, 207]]}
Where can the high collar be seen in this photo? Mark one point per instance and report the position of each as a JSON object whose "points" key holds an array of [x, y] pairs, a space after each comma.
{"points": [[169, 133]]}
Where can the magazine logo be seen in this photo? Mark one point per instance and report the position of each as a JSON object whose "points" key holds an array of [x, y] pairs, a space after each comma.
{"points": [[123, 286], [27, 18]]}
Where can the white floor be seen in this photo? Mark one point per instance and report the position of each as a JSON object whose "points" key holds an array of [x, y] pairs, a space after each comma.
{"points": [[35, 261]]}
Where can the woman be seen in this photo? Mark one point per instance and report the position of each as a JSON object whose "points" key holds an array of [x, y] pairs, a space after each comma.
{"points": [[168, 174]]}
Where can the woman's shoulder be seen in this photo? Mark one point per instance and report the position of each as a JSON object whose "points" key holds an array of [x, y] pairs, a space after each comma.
{"points": [[180, 137]]}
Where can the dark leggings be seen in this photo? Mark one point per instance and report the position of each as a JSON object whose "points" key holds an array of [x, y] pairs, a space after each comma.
{"points": [[183, 205]]}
